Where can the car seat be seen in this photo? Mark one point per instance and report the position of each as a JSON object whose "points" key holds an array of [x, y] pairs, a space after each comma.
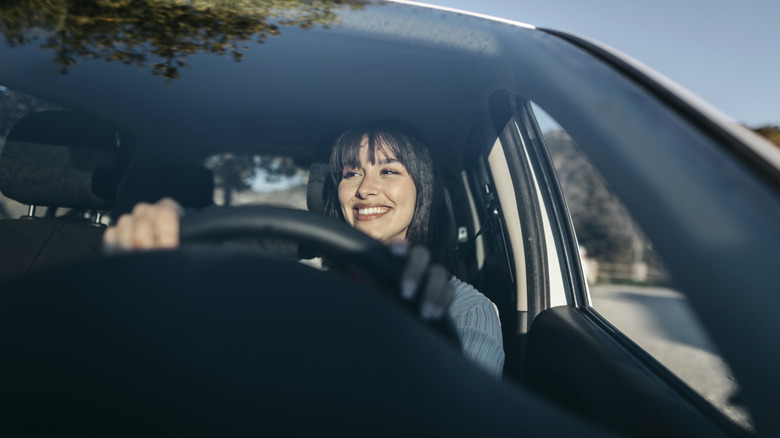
{"points": [[56, 159], [190, 184]]}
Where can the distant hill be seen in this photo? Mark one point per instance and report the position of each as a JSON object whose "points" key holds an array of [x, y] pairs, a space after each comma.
{"points": [[602, 223], [772, 133]]}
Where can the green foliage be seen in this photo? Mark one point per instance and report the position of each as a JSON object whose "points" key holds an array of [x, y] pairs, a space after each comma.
{"points": [[771, 132], [162, 32]]}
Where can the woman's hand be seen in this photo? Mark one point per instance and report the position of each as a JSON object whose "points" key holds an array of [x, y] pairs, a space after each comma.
{"points": [[426, 289], [149, 226], [421, 281]]}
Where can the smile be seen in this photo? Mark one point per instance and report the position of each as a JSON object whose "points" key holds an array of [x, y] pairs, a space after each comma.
{"points": [[371, 211]]}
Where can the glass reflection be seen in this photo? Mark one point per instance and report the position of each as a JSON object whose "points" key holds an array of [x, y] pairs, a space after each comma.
{"points": [[159, 33]]}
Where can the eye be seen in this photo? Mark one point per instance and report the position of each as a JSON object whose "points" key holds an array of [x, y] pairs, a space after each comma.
{"points": [[348, 173], [390, 172]]}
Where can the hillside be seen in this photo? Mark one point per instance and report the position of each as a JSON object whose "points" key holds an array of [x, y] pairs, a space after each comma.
{"points": [[771, 132]]}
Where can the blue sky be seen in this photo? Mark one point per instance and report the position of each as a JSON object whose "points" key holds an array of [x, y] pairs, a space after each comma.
{"points": [[726, 52]]}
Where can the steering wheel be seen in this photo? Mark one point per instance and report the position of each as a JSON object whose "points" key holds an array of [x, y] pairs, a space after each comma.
{"points": [[329, 237]]}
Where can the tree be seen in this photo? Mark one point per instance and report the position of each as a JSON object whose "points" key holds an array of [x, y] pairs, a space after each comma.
{"points": [[771, 132], [160, 32], [233, 173], [236, 172], [602, 224]]}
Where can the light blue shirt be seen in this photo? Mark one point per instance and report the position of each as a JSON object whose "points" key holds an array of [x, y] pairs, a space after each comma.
{"points": [[476, 320]]}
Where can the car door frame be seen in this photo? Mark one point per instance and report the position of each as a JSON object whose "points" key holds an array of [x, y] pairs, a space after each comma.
{"points": [[574, 356]]}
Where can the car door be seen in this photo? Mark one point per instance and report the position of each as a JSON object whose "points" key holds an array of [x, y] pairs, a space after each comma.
{"points": [[590, 347]]}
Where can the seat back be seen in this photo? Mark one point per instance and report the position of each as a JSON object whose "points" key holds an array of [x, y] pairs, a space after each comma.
{"points": [[495, 282], [56, 159], [191, 185]]}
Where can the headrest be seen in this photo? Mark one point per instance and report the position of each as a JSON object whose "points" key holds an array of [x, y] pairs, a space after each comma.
{"points": [[62, 159], [319, 173], [191, 185]]}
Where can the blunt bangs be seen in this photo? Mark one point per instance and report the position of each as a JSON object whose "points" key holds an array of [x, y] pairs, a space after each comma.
{"points": [[346, 151]]}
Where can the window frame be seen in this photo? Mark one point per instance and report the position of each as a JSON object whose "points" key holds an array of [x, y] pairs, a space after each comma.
{"points": [[566, 242]]}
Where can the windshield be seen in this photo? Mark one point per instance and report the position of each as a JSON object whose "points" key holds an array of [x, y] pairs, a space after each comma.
{"points": [[157, 35]]}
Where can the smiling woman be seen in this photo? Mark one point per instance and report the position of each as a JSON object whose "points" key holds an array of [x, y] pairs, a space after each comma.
{"points": [[389, 187]]}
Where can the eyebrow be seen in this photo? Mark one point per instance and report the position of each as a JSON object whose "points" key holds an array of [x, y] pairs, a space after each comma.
{"points": [[381, 162], [388, 161]]}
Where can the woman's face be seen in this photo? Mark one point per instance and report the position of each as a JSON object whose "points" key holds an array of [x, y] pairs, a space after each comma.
{"points": [[378, 199]]}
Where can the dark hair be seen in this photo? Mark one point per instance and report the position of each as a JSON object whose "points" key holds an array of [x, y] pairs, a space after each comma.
{"points": [[432, 224]]}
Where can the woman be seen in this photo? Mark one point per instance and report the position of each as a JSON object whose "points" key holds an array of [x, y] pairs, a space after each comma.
{"points": [[385, 184]]}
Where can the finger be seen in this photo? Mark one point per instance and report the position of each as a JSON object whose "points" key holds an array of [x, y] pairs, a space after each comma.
{"points": [[139, 227], [143, 231], [170, 202], [416, 265], [167, 217], [141, 209], [438, 293], [124, 233], [110, 244]]}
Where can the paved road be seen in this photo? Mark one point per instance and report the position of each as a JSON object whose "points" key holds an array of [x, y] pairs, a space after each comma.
{"points": [[660, 321]]}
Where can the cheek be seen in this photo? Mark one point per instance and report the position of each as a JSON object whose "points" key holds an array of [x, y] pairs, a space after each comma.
{"points": [[407, 196], [413, 201], [344, 197]]}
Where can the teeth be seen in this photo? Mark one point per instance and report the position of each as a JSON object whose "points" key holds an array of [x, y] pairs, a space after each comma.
{"points": [[372, 210]]}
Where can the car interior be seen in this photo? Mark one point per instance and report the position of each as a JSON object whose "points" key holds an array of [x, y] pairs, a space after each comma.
{"points": [[75, 162], [84, 164]]}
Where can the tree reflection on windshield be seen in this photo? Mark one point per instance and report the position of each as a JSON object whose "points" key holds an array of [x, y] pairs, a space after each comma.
{"points": [[160, 33]]}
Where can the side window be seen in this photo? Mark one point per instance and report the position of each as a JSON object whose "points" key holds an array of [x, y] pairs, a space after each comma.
{"points": [[242, 179], [628, 282]]}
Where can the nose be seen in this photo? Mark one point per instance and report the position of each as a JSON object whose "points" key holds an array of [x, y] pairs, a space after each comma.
{"points": [[368, 186]]}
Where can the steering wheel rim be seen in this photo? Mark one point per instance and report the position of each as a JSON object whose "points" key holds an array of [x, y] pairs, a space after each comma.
{"points": [[331, 237]]}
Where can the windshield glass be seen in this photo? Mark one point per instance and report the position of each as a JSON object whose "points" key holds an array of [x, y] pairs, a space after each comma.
{"points": [[158, 35]]}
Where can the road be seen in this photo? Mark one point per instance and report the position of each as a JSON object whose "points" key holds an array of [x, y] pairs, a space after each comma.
{"points": [[661, 322]]}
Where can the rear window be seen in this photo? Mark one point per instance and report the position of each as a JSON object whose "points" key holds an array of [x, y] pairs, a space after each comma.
{"points": [[246, 179]]}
